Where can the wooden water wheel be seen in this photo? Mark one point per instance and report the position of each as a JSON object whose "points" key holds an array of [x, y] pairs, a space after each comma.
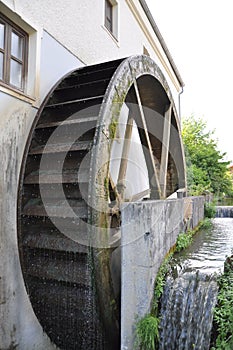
{"points": [[105, 134]]}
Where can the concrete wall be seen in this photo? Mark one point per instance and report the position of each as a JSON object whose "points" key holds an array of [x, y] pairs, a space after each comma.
{"points": [[193, 211], [149, 231]]}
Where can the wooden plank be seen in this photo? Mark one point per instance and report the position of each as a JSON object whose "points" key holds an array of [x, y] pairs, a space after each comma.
{"points": [[62, 270], [80, 85], [53, 241], [51, 177], [74, 101], [67, 122], [61, 209], [62, 147]]}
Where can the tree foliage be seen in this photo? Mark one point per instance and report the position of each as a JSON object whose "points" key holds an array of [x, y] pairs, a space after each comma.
{"points": [[206, 168]]}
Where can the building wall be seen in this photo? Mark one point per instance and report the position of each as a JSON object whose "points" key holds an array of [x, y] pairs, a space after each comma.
{"points": [[63, 35], [79, 27]]}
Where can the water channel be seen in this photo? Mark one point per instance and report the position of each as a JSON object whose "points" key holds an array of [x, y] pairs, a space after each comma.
{"points": [[191, 290]]}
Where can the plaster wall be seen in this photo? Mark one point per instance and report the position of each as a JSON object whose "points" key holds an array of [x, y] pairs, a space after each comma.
{"points": [[79, 26]]}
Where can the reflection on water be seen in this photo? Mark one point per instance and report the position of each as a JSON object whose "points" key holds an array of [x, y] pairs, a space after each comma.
{"points": [[209, 249], [225, 201]]}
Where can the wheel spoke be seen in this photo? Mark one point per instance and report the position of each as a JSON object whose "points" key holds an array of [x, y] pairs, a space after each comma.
{"points": [[145, 139], [165, 150], [140, 195], [124, 157], [114, 189]]}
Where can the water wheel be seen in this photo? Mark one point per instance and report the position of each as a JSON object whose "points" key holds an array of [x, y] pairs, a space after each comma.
{"points": [[105, 134]]}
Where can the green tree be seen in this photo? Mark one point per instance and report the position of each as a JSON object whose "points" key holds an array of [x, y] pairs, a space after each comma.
{"points": [[206, 168]]}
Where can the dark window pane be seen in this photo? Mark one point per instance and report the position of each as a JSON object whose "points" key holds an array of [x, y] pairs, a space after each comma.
{"points": [[2, 31], [108, 15], [16, 74], [16, 46], [1, 66]]}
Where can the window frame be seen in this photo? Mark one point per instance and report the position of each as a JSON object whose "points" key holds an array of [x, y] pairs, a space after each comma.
{"points": [[9, 28]]}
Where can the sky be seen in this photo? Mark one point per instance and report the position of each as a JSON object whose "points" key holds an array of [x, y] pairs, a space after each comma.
{"points": [[199, 36]]}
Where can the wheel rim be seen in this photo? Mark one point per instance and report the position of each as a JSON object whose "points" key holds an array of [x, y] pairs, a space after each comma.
{"points": [[129, 90]]}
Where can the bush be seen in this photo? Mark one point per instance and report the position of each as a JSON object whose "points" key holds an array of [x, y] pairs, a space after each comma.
{"points": [[147, 332], [206, 223], [209, 210], [183, 241], [223, 316]]}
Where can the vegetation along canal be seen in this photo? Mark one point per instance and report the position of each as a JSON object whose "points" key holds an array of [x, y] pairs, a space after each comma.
{"points": [[191, 291]]}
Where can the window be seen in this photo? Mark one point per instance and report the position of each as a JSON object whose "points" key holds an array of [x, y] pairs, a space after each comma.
{"points": [[111, 17], [108, 15], [13, 54]]}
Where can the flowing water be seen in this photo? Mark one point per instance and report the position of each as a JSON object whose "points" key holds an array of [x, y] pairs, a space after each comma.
{"points": [[190, 292], [224, 212]]}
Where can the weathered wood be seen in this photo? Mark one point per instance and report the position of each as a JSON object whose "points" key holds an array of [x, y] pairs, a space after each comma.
{"points": [[62, 270], [74, 101], [124, 156], [52, 241], [62, 147], [62, 209], [51, 177], [67, 122], [165, 151]]}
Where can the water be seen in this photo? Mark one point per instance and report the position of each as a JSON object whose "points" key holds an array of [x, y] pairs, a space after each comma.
{"points": [[209, 248], [224, 212], [225, 201], [191, 291]]}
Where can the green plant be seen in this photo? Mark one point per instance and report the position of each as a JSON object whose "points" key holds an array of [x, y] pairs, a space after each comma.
{"points": [[147, 329], [183, 241], [160, 281], [206, 167], [147, 332], [223, 315], [209, 210], [206, 223], [113, 128]]}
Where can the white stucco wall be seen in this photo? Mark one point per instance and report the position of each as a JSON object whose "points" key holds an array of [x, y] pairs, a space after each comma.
{"points": [[79, 26]]}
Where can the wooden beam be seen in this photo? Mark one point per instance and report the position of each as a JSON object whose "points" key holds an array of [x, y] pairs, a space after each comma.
{"points": [[165, 151]]}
